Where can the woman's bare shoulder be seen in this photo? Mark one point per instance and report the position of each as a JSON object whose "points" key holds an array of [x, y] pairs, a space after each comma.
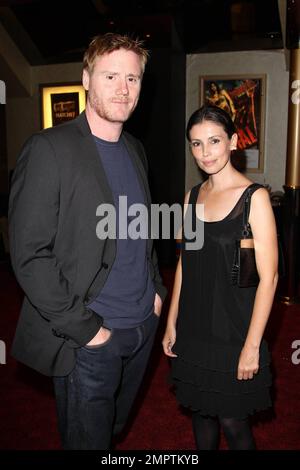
{"points": [[244, 181], [261, 195], [241, 183]]}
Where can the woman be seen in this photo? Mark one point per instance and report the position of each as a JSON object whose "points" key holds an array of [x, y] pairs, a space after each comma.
{"points": [[221, 98], [214, 333]]}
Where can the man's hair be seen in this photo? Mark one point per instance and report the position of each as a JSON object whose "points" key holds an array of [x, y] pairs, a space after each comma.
{"points": [[110, 42]]}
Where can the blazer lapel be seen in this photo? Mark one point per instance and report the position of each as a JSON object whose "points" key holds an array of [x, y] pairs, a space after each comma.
{"points": [[93, 158]]}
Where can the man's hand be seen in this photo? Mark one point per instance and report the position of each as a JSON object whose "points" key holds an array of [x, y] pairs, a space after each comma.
{"points": [[157, 305], [101, 337]]}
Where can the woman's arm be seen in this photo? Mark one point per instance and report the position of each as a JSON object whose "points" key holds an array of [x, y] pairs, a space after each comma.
{"points": [[266, 254], [170, 333]]}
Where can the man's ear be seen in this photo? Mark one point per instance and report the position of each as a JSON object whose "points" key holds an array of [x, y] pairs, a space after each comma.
{"points": [[85, 79]]}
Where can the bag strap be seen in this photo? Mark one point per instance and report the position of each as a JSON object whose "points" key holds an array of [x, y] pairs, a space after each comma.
{"points": [[247, 232]]}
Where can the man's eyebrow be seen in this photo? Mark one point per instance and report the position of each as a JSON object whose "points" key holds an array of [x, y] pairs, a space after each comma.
{"points": [[108, 72]]}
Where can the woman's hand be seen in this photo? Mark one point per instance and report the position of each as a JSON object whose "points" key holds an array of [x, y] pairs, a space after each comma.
{"points": [[248, 363], [169, 341]]}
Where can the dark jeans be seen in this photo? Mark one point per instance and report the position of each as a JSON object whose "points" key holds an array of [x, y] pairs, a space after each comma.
{"points": [[94, 400]]}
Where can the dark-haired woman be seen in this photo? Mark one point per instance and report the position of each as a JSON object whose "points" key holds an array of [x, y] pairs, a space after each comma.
{"points": [[214, 333]]}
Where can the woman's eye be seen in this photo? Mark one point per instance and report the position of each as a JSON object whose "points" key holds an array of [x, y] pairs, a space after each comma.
{"points": [[195, 144], [215, 141]]}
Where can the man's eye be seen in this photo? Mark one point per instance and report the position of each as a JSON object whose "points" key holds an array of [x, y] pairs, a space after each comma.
{"points": [[215, 141], [132, 79], [109, 77]]}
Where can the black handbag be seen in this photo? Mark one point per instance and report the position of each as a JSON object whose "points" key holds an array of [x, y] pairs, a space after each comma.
{"points": [[244, 272]]}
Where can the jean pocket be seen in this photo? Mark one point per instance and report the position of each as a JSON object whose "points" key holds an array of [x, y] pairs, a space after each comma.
{"points": [[95, 347]]}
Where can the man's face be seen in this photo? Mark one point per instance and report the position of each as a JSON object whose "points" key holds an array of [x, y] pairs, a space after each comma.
{"points": [[114, 85]]}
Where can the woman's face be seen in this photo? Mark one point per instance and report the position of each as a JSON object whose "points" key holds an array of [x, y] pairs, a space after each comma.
{"points": [[211, 146], [213, 87]]}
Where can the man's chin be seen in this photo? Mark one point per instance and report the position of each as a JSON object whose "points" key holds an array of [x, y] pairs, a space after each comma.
{"points": [[121, 117]]}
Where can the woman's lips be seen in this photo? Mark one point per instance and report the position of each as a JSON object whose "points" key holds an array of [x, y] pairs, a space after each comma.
{"points": [[209, 163]]}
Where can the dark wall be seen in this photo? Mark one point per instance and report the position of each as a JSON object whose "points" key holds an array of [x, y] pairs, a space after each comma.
{"points": [[159, 121], [3, 151]]}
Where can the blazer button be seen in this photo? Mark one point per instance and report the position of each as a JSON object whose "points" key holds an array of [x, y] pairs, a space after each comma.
{"points": [[104, 265]]}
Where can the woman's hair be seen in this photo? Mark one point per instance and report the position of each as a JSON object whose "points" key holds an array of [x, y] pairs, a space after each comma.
{"points": [[110, 42], [213, 114]]}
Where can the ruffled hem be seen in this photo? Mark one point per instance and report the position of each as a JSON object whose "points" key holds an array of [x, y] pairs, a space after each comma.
{"points": [[214, 357], [214, 403], [219, 381], [205, 379]]}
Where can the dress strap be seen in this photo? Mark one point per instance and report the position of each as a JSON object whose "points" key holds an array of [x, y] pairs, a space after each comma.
{"points": [[194, 194], [192, 204]]}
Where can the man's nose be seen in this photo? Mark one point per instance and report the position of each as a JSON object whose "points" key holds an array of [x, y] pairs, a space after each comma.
{"points": [[123, 88]]}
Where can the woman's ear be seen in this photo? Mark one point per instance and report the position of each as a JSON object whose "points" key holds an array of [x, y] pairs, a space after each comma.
{"points": [[233, 142]]}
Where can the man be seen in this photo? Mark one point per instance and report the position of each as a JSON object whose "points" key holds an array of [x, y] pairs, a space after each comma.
{"points": [[91, 303]]}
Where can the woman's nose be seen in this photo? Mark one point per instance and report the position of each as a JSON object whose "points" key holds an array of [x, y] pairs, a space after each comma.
{"points": [[205, 150]]}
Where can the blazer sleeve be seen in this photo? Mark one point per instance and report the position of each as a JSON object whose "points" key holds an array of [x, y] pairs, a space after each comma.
{"points": [[33, 222]]}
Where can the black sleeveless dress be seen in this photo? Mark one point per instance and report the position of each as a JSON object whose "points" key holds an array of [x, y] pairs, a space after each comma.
{"points": [[212, 325]]}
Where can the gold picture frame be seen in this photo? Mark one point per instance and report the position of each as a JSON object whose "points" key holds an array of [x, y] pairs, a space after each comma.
{"points": [[61, 102], [243, 97]]}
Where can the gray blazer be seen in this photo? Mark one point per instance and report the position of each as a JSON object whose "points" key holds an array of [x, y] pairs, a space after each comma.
{"points": [[58, 260]]}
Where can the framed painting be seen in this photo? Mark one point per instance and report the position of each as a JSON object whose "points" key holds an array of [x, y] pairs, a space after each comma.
{"points": [[61, 102], [243, 97]]}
